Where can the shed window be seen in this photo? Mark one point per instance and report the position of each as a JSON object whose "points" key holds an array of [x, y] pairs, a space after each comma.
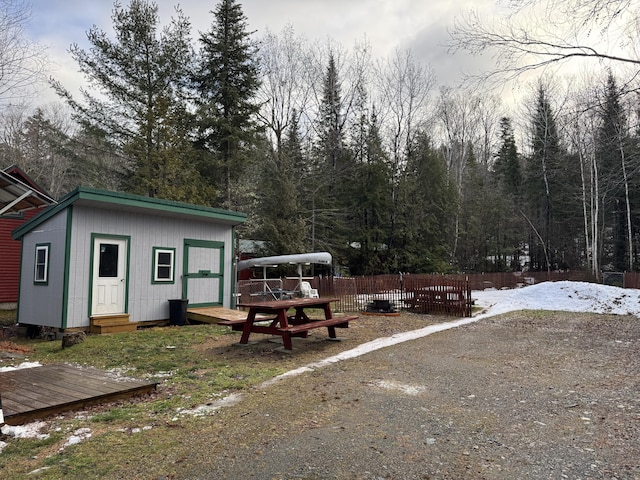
{"points": [[163, 265], [41, 273]]}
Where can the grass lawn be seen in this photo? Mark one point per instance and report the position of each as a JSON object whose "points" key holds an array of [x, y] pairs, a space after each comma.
{"points": [[195, 365]]}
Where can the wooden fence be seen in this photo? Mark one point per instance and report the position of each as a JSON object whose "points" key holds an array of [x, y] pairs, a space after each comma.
{"points": [[419, 293], [631, 280], [481, 281], [443, 294]]}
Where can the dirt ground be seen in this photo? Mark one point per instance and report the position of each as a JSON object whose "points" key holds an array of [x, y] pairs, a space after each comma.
{"points": [[526, 395]]}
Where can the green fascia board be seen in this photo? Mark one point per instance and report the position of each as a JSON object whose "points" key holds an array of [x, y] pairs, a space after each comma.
{"points": [[126, 200]]}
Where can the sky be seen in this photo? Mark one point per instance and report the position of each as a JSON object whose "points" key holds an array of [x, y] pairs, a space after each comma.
{"points": [[387, 25]]}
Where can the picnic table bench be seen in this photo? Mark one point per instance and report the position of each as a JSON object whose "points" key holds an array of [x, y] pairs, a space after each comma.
{"points": [[236, 325], [285, 325]]}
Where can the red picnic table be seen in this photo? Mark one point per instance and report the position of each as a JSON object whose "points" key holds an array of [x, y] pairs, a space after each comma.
{"points": [[287, 326]]}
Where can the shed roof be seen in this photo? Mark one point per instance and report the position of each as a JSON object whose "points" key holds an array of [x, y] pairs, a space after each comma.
{"points": [[90, 197]]}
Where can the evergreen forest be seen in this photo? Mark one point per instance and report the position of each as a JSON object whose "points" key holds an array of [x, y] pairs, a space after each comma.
{"points": [[328, 148]]}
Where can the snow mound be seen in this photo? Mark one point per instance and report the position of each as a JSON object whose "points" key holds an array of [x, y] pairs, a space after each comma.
{"points": [[561, 296]]}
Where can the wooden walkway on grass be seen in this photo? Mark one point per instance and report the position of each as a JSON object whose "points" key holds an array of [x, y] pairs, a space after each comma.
{"points": [[33, 393]]}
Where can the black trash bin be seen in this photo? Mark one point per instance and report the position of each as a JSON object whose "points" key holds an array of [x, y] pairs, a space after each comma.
{"points": [[178, 311]]}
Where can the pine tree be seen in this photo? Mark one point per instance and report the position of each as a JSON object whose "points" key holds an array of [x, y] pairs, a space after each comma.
{"points": [[506, 181], [140, 78], [507, 162], [542, 184], [330, 161], [427, 204], [227, 81], [369, 210], [331, 134]]}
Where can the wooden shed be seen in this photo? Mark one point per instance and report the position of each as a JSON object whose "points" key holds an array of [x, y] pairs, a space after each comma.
{"points": [[99, 259]]}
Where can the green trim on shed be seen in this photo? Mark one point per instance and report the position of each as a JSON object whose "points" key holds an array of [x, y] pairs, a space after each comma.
{"points": [[95, 236], [20, 279], [67, 262], [186, 274], [92, 196]]}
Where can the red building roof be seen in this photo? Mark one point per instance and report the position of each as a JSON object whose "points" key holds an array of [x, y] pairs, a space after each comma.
{"points": [[21, 199]]}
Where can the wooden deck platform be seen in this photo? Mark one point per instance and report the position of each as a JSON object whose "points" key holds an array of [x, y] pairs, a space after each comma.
{"points": [[33, 393], [215, 314]]}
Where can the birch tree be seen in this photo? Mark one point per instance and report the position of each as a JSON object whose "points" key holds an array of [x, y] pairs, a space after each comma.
{"points": [[580, 129], [466, 124]]}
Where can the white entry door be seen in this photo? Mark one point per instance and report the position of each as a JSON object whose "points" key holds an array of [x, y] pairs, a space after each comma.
{"points": [[109, 276]]}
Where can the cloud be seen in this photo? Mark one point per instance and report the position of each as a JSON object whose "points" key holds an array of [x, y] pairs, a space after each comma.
{"points": [[386, 24]]}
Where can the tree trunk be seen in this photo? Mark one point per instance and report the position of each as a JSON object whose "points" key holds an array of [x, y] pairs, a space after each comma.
{"points": [[628, 207], [595, 215]]}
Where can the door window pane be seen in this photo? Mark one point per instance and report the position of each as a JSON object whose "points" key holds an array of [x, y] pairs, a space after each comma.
{"points": [[108, 260]]}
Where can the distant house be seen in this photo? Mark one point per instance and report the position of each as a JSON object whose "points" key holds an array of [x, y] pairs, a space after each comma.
{"points": [[100, 254], [248, 249], [20, 200]]}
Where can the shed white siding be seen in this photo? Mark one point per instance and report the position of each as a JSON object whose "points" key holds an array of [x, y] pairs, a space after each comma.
{"points": [[147, 301], [42, 304]]}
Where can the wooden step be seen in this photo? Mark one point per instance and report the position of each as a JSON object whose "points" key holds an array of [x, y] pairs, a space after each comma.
{"points": [[112, 324]]}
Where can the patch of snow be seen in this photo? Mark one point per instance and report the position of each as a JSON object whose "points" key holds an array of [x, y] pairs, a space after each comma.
{"points": [[213, 407], [30, 430], [21, 366], [78, 436], [406, 389]]}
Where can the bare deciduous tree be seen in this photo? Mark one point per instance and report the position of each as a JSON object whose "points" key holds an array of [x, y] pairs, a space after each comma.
{"points": [[466, 123], [536, 34], [404, 87], [284, 89], [580, 127], [22, 62]]}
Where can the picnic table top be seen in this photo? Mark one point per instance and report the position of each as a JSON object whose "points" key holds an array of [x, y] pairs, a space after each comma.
{"points": [[293, 302]]}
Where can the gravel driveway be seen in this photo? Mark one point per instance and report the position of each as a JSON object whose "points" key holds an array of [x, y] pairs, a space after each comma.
{"points": [[526, 395]]}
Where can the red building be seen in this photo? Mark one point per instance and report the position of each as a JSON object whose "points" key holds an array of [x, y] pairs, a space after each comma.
{"points": [[20, 200]]}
